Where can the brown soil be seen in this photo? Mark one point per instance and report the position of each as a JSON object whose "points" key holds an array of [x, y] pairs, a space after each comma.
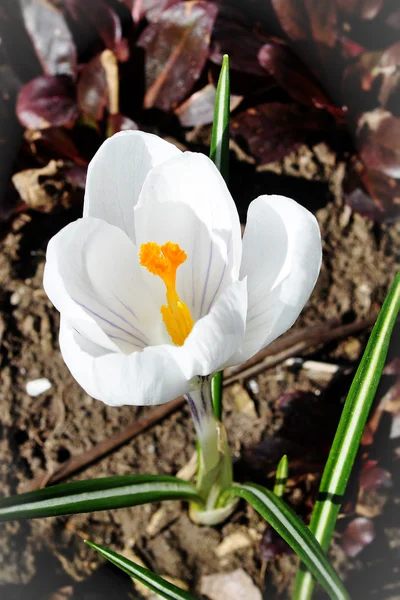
{"points": [[38, 434]]}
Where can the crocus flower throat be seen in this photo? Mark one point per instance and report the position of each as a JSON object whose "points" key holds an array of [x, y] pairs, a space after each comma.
{"points": [[164, 261]]}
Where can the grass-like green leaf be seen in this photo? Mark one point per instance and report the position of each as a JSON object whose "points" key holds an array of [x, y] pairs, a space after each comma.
{"points": [[292, 529], [350, 429], [96, 494], [281, 476], [219, 154], [154, 582], [219, 150]]}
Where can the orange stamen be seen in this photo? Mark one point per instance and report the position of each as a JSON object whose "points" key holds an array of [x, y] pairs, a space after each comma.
{"points": [[164, 261]]}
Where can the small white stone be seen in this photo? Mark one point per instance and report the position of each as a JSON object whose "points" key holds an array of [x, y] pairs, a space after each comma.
{"points": [[37, 386], [235, 586], [15, 299], [236, 541], [254, 387]]}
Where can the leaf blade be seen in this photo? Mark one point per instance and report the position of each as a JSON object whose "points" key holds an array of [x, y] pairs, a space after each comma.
{"points": [[151, 580], [219, 154], [348, 434], [284, 520], [281, 476], [219, 149], [97, 494]]}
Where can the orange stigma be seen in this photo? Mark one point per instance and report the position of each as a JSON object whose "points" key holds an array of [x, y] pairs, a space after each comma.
{"points": [[164, 261]]}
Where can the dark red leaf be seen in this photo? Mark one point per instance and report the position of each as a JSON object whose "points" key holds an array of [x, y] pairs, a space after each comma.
{"points": [[54, 141], [372, 477], [286, 400], [372, 193], [369, 9], [151, 9], [76, 176], [389, 95], [51, 37], [378, 142], [363, 9], [370, 68], [350, 48], [47, 102], [265, 455], [393, 20], [177, 47], [92, 89], [293, 18], [391, 56], [323, 21], [199, 108], [291, 74], [103, 19], [272, 545], [361, 83], [271, 131], [376, 72], [347, 6], [360, 75], [358, 534], [393, 368], [240, 43]]}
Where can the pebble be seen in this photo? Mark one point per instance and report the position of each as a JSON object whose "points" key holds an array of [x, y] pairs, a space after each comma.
{"points": [[236, 585], [37, 386]]}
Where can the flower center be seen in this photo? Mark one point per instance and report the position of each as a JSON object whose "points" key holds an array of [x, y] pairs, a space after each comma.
{"points": [[164, 261]]}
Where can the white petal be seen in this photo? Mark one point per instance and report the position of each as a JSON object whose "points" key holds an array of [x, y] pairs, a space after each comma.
{"points": [[216, 336], [158, 373], [93, 277], [281, 260], [141, 378], [185, 201], [116, 175]]}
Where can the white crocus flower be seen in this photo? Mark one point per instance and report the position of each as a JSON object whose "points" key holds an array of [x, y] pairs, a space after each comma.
{"points": [[157, 291], [155, 287]]}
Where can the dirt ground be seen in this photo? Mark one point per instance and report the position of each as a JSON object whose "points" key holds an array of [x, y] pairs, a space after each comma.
{"points": [[46, 559]]}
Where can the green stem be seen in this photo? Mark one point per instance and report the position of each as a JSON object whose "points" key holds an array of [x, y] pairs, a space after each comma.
{"points": [[348, 435], [216, 387], [215, 471], [219, 154]]}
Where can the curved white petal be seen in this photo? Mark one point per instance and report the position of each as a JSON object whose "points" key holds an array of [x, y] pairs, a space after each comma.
{"points": [[281, 260], [185, 200], [141, 378], [116, 175], [158, 374], [94, 279], [215, 337]]}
